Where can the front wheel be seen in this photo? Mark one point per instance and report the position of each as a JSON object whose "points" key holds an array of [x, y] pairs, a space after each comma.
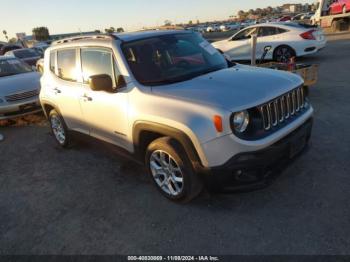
{"points": [[283, 54], [171, 170]]}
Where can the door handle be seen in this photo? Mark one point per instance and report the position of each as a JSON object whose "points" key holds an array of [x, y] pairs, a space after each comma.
{"points": [[86, 98], [57, 91]]}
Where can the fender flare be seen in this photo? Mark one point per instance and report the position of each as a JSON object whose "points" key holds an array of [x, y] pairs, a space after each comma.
{"points": [[164, 130]]}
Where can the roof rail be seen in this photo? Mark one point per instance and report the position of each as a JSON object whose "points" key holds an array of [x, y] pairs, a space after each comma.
{"points": [[83, 37]]}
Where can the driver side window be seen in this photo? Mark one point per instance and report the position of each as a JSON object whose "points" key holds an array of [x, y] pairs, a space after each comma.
{"points": [[245, 34]]}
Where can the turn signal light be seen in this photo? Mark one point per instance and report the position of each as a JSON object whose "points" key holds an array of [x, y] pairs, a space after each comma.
{"points": [[218, 123]]}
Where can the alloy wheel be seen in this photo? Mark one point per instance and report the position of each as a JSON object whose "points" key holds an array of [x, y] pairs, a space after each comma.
{"points": [[166, 173], [58, 129], [283, 54]]}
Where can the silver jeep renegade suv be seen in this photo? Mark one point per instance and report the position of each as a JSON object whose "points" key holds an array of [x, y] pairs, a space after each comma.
{"points": [[172, 101]]}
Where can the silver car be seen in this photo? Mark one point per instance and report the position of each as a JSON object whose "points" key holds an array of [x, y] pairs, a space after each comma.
{"points": [[19, 88]]}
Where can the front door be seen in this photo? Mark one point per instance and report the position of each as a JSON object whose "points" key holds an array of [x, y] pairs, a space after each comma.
{"points": [[104, 112], [240, 45]]}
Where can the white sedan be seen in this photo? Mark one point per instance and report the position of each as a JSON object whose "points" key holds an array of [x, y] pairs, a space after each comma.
{"points": [[285, 39]]}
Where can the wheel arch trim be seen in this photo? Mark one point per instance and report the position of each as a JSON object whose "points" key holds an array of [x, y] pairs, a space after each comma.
{"points": [[165, 130]]}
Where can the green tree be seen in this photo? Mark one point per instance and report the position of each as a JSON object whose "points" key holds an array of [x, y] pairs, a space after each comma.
{"points": [[13, 40], [190, 22], [110, 30], [97, 31], [5, 34], [41, 33], [120, 30], [167, 23]]}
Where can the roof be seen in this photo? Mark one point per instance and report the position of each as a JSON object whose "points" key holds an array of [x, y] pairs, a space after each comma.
{"points": [[124, 37], [132, 36]]}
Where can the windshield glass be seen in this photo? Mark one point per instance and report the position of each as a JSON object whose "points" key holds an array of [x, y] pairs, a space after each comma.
{"points": [[172, 58], [13, 66], [25, 53]]}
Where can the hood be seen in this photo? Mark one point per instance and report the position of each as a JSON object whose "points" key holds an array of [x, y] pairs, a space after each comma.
{"points": [[19, 83], [31, 60], [237, 88]]}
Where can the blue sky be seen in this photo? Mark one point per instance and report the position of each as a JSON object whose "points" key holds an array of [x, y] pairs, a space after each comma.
{"points": [[67, 16]]}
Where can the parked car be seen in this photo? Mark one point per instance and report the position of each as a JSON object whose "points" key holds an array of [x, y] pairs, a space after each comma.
{"points": [[286, 40], [298, 17], [213, 28], [339, 7], [40, 65], [19, 88], [186, 122], [27, 55], [285, 18], [229, 27], [6, 48]]}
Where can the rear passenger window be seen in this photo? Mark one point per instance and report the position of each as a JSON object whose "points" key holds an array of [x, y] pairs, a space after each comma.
{"points": [[66, 64], [281, 31], [267, 31], [53, 62], [97, 61]]}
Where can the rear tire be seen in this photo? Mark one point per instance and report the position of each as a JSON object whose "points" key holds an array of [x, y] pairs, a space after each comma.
{"points": [[59, 129], [171, 170], [283, 54]]}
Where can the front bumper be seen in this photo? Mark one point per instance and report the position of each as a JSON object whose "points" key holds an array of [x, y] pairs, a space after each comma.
{"points": [[257, 169], [20, 108]]}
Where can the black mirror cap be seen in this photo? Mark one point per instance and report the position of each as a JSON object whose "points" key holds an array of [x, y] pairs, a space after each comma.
{"points": [[101, 82], [121, 82]]}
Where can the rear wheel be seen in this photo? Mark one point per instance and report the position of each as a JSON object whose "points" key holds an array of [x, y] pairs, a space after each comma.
{"points": [[59, 129], [283, 54], [171, 170]]}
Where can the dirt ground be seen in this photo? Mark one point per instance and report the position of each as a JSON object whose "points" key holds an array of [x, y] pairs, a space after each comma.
{"points": [[88, 200]]}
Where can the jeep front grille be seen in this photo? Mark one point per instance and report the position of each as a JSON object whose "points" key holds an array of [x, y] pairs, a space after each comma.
{"points": [[21, 96], [282, 108]]}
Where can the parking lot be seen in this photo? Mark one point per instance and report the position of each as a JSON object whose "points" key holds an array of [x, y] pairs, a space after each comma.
{"points": [[88, 200]]}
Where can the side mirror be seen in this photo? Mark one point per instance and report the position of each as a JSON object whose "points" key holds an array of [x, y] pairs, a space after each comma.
{"points": [[101, 83]]}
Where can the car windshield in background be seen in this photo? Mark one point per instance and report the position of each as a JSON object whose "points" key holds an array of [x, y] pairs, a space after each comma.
{"points": [[13, 66], [26, 53], [172, 58]]}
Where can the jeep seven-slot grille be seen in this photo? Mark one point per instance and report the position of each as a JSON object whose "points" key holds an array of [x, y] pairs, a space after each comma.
{"points": [[22, 96], [282, 108]]}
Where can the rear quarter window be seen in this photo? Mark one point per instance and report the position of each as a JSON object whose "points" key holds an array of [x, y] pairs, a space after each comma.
{"points": [[53, 62], [66, 64]]}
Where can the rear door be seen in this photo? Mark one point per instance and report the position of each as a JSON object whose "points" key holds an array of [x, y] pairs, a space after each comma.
{"points": [[64, 89], [266, 37]]}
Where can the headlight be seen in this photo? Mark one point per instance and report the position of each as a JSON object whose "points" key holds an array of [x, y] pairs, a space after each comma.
{"points": [[240, 121]]}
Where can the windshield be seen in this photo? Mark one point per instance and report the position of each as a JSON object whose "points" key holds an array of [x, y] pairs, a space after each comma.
{"points": [[13, 66], [25, 53], [172, 58]]}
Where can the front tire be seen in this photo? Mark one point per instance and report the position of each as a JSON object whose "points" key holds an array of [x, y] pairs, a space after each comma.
{"points": [[171, 170], [283, 54], [59, 129]]}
